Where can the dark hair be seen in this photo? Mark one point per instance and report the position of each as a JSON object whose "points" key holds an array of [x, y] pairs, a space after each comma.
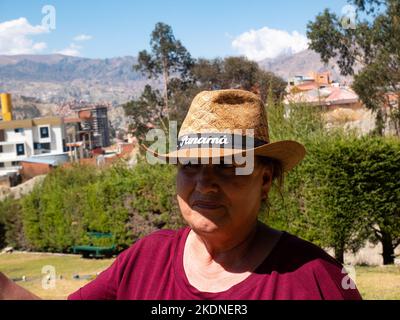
{"points": [[277, 181], [277, 170]]}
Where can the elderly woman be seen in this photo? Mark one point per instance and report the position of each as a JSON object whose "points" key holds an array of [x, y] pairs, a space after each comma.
{"points": [[224, 252]]}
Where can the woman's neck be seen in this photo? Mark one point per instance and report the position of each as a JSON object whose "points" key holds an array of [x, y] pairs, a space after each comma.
{"points": [[228, 251]]}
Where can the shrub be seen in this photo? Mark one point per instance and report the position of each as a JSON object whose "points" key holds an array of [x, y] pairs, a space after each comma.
{"points": [[128, 203]]}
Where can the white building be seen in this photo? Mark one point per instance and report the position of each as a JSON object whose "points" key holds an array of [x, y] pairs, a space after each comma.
{"points": [[22, 139]]}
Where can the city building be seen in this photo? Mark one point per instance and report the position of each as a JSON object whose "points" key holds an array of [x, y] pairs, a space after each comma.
{"points": [[87, 132], [94, 129], [20, 139], [29, 139]]}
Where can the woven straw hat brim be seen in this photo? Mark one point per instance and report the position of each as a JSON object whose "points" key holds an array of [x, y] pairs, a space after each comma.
{"points": [[288, 152]]}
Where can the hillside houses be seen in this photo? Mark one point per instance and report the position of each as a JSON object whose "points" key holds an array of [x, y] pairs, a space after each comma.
{"points": [[341, 105]]}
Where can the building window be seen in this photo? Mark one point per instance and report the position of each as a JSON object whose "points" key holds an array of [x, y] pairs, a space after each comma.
{"points": [[20, 130], [14, 163], [1, 149], [1, 164], [20, 149], [44, 132], [41, 146]]}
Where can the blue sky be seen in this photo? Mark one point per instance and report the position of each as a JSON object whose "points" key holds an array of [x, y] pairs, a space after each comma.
{"points": [[99, 29]]}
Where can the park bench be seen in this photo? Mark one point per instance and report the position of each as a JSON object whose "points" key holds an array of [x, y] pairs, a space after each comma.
{"points": [[95, 251]]}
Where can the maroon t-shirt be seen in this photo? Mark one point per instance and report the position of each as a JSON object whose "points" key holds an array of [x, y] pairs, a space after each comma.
{"points": [[152, 268]]}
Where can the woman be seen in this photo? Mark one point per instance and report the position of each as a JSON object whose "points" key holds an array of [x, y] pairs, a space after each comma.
{"points": [[225, 252]]}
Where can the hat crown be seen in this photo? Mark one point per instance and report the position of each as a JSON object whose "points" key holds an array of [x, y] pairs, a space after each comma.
{"points": [[229, 110]]}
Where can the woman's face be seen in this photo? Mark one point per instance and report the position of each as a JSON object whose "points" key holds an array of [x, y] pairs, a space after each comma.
{"points": [[212, 198]]}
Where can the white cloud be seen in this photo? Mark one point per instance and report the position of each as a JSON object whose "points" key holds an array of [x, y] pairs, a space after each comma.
{"points": [[83, 37], [74, 49], [269, 43], [14, 37], [71, 50]]}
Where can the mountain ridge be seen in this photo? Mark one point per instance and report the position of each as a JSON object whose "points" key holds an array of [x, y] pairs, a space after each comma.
{"points": [[62, 68], [42, 84]]}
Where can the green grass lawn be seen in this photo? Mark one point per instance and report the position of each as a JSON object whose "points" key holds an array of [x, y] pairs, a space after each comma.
{"points": [[379, 283], [382, 282], [16, 265]]}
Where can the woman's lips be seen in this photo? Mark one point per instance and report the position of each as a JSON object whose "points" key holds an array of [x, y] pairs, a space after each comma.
{"points": [[206, 205]]}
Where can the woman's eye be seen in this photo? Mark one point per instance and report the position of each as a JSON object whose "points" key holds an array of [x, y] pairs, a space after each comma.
{"points": [[226, 165], [190, 166]]}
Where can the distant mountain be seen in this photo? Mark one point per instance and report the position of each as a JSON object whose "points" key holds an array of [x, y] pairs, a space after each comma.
{"points": [[57, 68], [302, 63], [56, 79], [61, 68], [40, 58], [42, 84]]}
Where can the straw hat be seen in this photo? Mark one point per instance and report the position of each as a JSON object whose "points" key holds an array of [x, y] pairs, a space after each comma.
{"points": [[224, 123]]}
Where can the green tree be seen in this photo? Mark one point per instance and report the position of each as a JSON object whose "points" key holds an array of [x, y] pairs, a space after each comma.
{"points": [[330, 195], [168, 58], [372, 43], [145, 112], [344, 192], [287, 206], [315, 201], [11, 227], [239, 73]]}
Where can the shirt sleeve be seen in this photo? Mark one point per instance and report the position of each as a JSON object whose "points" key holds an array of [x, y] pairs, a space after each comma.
{"points": [[333, 281], [104, 287]]}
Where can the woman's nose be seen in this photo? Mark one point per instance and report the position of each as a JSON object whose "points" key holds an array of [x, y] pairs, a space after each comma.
{"points": [[206, 180]]}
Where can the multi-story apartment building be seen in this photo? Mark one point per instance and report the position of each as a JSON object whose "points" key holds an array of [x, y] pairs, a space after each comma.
{"points": [[23, 139], [94, 126]]}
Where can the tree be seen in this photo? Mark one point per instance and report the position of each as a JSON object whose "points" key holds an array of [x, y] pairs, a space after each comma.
{"points": [[208, 73], [11, 229], [168, 58], [239, 73], [184, 77], [287, 209], [331, 196], [372, 43], [344, 192], [145, 113]]}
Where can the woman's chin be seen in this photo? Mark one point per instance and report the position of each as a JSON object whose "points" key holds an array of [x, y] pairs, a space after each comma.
{"points": [[202, 224]]}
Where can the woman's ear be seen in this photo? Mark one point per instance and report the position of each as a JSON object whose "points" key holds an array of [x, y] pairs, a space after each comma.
{"points": [[267, 180]]}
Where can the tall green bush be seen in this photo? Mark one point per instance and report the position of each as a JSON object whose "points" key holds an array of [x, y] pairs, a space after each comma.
{"points": [[128, 203], [11, 228], [345, 191]]}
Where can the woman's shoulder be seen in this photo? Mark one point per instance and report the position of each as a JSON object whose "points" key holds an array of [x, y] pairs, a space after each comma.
{"points": [[157, 241], [307, 270], [300, 251], [313, 264], [293, 254]]}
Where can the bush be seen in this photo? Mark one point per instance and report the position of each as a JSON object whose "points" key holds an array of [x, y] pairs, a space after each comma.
{"points": [[11, 228], [128, 203], [345, 192]]}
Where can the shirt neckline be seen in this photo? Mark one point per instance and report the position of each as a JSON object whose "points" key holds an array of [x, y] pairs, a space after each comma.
{"points": [[183, 281]]}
